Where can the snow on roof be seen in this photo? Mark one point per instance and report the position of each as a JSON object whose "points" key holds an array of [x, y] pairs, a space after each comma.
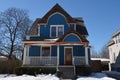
{"points": [[52, 40], [101, 59]]}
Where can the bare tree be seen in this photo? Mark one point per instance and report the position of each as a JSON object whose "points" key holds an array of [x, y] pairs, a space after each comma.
{"points": [[104, 52], [14, 23], [94, 53]]}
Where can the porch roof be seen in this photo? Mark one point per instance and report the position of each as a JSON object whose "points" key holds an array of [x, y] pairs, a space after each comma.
{"points": [[52, 43]]}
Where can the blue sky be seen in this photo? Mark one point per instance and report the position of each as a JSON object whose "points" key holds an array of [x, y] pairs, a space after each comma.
{"points": [[102, 17]]}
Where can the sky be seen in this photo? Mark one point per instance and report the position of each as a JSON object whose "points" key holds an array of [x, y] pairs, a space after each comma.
{"points": [[102, 17]]}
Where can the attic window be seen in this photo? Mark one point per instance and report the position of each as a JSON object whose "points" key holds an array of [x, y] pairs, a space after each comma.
{"points": [[56, 30]]}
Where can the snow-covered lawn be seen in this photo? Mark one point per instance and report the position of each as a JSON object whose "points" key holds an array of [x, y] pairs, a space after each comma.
{"points": [[94, 76], [28, 77]]}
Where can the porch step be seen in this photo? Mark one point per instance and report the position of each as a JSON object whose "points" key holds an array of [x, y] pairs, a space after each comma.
{"points": [[68, 72]]}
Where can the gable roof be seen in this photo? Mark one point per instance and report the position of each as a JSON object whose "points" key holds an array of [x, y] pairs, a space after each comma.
{"points": [[57, 8], [80, 27], [34, 29], [73, 31], [110, 43], [116, 33]]}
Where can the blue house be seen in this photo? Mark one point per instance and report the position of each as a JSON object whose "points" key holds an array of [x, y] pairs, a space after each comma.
{"points": [[57, 39]]}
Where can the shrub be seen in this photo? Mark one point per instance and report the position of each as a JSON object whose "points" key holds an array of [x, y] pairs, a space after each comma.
{"points": [[34, 70], [9, 66], [48, 70], [83, 70], [96, 65]]}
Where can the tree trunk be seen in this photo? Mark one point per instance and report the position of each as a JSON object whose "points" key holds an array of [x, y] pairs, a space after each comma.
{"points": [[11, 52]]}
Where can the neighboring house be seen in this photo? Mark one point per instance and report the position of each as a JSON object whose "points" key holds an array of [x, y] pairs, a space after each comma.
{"points": [[114, 46], [3, 57], [56, 40]]}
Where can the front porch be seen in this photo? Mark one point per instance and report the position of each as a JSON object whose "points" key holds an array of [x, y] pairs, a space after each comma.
{"points": [[51, 61]]}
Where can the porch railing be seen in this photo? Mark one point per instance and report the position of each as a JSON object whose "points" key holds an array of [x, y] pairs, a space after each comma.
{"points": [[78, 60], [43, 61]]}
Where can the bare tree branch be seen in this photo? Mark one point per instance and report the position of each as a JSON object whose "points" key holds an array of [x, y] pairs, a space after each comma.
{"points": [[14, 21]]}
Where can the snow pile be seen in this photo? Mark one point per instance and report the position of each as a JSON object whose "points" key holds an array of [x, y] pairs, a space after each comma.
{"points": [[28, 77], [96, 76], [6, 75]]}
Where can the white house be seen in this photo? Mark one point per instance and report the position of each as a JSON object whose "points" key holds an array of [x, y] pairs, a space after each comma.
{"points": [[114, 46]]}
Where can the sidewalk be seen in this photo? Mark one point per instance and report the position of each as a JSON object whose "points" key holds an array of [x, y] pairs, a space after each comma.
{"points": [[113, 74]]}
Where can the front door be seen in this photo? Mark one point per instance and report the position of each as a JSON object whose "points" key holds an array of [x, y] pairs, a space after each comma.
{"points": [[68, 55]]}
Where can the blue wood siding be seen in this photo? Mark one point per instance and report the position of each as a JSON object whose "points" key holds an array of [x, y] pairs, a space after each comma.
{"points": [[71, 38], [89, 57], [61, 55], [34, 51], [56, 19], [54, 51], [44, 31], [78, 50]]}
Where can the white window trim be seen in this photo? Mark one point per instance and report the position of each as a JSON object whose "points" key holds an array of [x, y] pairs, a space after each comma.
{"points": [[56, 29], [39, 31]]}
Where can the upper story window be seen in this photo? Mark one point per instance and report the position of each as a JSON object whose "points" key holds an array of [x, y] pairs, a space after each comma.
{"points": [[56, 30]]}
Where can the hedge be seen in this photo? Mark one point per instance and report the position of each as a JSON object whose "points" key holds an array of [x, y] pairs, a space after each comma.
{"points": [[34, 70], [9, 66]]}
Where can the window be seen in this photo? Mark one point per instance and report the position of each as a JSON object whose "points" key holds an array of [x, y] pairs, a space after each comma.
{"points": [[53, 31], [60, 31], [45, 51], [56, 30]]}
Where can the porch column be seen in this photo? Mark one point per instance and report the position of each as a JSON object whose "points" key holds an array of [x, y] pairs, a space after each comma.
{"points": [[86, 55], [57, 57], [24, 55]]}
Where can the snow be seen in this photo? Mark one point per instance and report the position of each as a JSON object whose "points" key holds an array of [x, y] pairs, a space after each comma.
{"points": [[101, 59], [28, 77], [94, 76]]}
